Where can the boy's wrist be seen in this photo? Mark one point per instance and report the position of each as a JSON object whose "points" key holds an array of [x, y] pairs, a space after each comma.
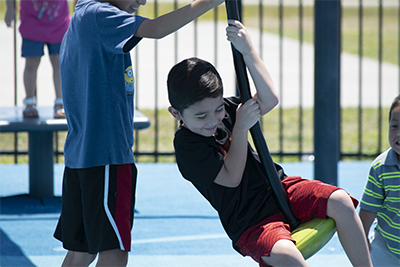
{"points": [[250, 53], [240, 129]]}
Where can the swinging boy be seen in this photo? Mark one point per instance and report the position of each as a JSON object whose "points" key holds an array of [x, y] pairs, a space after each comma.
{"points": [[213, 153]]}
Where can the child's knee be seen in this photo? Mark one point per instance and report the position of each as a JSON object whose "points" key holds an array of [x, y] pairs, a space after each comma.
{"points": [[284, 253], [340, 204]]}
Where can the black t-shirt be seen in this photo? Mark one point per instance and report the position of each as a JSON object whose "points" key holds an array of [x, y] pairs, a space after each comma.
{"points": [[200, 159]]}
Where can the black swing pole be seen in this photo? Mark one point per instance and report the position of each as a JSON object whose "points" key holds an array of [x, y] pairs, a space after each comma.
{"points": [[233, 10]]}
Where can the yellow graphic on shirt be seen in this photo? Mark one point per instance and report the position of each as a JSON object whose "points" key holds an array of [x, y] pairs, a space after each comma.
{"points": [[129, 79]]}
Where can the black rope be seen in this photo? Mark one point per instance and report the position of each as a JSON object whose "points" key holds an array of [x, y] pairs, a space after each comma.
{"points": [[233, 10]]}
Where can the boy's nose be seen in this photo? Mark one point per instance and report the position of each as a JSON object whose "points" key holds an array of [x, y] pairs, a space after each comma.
{"points": [[213, 120], [142, 2]]}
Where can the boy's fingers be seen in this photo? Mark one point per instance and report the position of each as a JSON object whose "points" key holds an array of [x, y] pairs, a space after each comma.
{"points": [[234, 23], [231, 22], [251, 101], [232, 28]]}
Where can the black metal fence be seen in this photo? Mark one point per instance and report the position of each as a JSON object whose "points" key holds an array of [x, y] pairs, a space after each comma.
{"points": [[283, 32]]}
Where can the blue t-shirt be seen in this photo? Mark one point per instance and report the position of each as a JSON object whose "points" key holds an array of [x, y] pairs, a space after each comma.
{"points": [[97, 85]]}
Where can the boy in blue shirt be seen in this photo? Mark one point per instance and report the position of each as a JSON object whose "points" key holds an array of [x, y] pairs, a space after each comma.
{"points": [[381, 198], [97, 84], [213, 153]]}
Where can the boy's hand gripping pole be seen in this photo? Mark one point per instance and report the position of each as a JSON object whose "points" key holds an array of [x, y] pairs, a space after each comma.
{"points": [[233, 10]]}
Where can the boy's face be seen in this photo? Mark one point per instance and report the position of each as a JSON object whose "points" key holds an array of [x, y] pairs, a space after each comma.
{"points": [[394, 131], [202, 117], [129, 6]]}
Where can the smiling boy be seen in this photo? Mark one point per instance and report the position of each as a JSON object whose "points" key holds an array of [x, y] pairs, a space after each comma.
{"points": [[213, 153], [381, 198]]}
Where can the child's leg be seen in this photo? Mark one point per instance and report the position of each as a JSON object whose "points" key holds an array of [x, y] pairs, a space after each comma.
{"points": [[32, 51], [269, 243], [55, 62], [349, 228], [74, 258], [284, 253], [30, 74], [114, 257], [59, 111]]}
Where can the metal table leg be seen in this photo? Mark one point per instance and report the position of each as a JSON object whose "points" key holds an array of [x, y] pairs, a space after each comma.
{"points": [[41, 169]]}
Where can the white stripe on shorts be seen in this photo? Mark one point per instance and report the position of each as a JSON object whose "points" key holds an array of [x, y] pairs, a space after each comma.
{"points": [[107, 210]]}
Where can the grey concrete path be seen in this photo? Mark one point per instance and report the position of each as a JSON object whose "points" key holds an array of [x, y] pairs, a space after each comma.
{"points": [[150, 77]]}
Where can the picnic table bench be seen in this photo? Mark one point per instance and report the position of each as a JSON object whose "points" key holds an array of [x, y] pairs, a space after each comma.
{"points": [[40, 147]]}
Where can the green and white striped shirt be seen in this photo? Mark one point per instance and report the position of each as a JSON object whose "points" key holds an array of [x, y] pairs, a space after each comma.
{"points": [[382, 195]]}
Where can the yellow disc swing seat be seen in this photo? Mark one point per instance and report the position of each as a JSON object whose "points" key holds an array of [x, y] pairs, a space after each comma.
{"points": [[311, 236]]}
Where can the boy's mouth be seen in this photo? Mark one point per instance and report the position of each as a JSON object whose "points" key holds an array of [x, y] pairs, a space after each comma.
{"points": [[211, 129]]}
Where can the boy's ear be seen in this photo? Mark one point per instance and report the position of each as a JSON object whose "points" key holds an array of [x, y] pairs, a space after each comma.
{"points": [[175, 113]]}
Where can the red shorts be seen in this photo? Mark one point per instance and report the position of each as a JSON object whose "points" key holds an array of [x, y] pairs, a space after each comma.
{"points": [[308, 199]]}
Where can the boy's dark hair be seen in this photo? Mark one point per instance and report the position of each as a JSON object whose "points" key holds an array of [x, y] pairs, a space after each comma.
{"points": [[192, 80], [396, 103]]}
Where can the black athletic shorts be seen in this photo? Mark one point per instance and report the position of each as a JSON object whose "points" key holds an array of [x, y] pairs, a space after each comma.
{"points": [[97, 208]]}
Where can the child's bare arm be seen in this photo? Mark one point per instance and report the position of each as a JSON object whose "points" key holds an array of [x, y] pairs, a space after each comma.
{"points": [[249, 113], [10, 12], [367, 218], [266, 95], [168, 23], [231, 172]]}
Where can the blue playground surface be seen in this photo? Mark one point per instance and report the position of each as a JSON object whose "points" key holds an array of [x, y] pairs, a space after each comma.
{"points": [[174, 226]]}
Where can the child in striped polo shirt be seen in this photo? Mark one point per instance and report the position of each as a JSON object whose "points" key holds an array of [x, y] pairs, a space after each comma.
{"points": [[381, 198]]}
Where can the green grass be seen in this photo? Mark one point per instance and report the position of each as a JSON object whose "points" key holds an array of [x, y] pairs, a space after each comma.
{"points": [[290, 143]]}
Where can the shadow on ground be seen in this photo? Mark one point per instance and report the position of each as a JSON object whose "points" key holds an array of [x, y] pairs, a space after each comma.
{"points": [[11, 253], [24, 204]]}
